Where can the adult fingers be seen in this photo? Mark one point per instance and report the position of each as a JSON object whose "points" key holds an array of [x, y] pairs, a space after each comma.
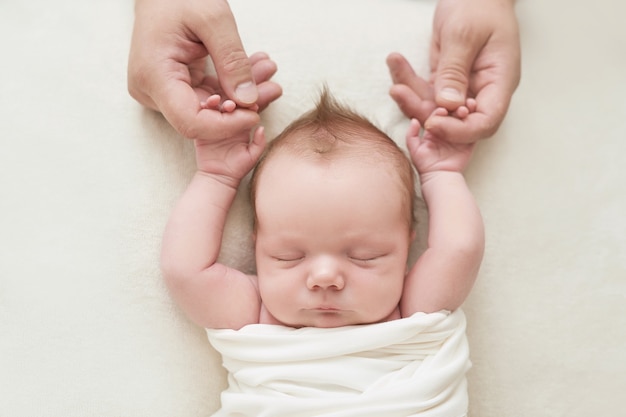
{"points": [[480, 124], [268, 92], [180, 105], [217, 30], [411, 104], [402, 72], [451, 129], [263, 69], [258, 56], [454, 57]]}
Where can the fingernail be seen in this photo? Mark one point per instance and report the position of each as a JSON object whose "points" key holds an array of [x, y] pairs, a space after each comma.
{"points": [[451, 94], [247, 93]]}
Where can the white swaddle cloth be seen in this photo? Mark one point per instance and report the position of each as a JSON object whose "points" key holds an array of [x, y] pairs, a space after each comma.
{"points": [[414, 366]]}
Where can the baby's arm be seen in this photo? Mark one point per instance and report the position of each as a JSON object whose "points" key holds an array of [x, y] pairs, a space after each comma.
{"points": [[444, 274], [211, 294]]}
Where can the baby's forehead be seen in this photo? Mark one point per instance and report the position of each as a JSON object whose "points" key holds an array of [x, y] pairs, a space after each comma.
{"points": [[293, 166], [333, 175], [322, 145]]}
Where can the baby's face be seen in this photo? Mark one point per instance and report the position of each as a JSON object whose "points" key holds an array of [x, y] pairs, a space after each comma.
{"points": [[332, 241]]}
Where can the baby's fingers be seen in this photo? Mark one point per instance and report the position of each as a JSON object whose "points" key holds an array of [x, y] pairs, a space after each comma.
{"points": [[257, 144], [181, 107], [215, 102], [413, 139], [414, 130], [212, 102]]}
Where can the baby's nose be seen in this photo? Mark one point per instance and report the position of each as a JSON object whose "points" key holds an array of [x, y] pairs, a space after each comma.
{"points": [[325, 273]]}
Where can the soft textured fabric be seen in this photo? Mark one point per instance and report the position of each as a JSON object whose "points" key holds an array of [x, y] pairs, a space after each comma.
{"points": [[409, 367]]}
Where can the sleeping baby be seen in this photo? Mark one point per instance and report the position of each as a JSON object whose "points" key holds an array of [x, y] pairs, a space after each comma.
{"points": [[334, 323]]}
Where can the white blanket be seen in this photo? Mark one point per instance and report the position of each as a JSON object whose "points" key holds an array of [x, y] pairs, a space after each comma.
{"points": [[410, 367]]}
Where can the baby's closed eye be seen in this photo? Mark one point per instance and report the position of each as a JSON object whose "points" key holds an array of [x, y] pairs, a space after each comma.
{"points": [[288, 257], [365, 257]]}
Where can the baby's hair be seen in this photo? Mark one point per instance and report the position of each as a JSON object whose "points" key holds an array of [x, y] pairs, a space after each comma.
{"points": [[332, 131]]}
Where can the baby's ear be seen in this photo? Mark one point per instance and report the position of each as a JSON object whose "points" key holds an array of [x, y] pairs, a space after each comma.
{"points": [[413, 235]]}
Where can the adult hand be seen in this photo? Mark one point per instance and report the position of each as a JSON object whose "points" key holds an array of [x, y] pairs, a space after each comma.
{"points": [[171, 43], [475, 52]]}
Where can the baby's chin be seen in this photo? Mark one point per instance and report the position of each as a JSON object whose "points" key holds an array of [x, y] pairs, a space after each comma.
{"points": [[328, 319]]}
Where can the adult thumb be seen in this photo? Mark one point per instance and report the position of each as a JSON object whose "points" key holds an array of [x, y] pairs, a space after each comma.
{"points": [[456, 58], [219, 34]]}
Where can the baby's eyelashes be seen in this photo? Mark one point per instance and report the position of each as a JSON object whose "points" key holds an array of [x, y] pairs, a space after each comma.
{"points": [[362, 259], [288, 257], [365, 259]]}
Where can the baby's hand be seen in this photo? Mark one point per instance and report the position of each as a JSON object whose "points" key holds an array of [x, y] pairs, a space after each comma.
{"points": [[430, 154], [460, 112], [233, 157], [215, 102]]}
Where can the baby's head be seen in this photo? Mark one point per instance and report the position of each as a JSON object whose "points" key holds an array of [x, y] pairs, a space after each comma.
{"points": [[333, 206], [332, 133]]}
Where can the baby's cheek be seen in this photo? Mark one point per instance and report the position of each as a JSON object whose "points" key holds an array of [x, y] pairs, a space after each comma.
{"points": [[276, 293], [388, 288], [397, 285]]}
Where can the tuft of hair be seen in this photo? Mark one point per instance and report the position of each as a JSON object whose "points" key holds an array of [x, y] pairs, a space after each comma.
{"points": [[327, 127], [333, 131]]}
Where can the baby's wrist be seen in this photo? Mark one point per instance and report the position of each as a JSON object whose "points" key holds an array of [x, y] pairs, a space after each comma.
{"points": [[220, 178], [435, 176]]}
